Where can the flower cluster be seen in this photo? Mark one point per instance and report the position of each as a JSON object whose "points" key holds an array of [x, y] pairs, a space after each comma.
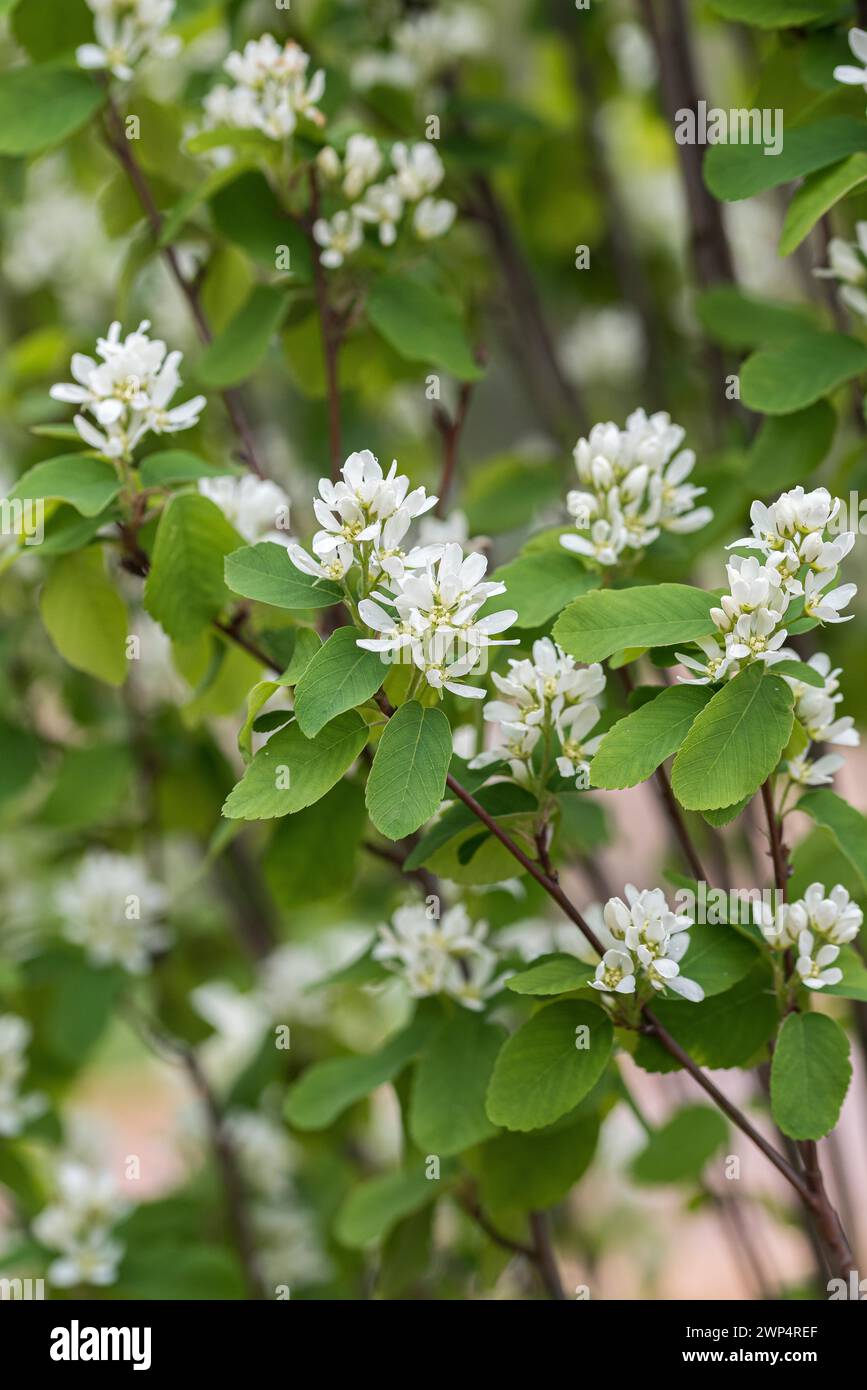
{"points": [[127, 31], [633, 486], [417, 171], [424, 43], [834, 919], [847, 264], [257, 508], [264, 1151], [110, 906], [446, 955], [815, 710], [645, 931], [128, 392], [799, 560], [271, 90], [435, 590], [78, 1225], [15, 1109], [548, 702]]}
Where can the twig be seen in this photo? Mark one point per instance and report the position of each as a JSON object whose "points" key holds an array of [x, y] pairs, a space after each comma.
{"points": [[394, 854], [118, 143], [172, 1049], [331, 331], [545, 1261], [828, 1224], [450, 429]]}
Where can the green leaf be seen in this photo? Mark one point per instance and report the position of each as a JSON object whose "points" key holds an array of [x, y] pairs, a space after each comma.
{"points": [[732, 172], [788, 447], [238, 350], [531, 1172], [718, 957], [87, 484], [723, 815], [421, 324], [340, 676], [265, 573], [295, 868], [504, 492], [739, 320], [816, 196], [408, 778], [41, 106], [447, 1110], [810, 1075], [46, 30], [178, 466], [176, 219], [555, 974], [776, 14], [248, 213], [370, 1212], [784, 379], [847, 825], [799, 671], [549, 1065], [654, 615], [538, 586], [19, 759], [635, 746], [729, 1030], [184, 590], [91, 785], [328, 1088], [735, 743], [292, 771], [85, 617], [680, 1149]]}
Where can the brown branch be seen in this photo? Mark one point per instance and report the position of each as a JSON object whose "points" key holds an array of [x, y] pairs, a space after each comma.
{"points": [[545, 1261], [118, 143], [450, 430], [173, 1050], [393, 854], [828, 1224]]}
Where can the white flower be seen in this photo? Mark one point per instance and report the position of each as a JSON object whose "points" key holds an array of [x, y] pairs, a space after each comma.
{"points": [[658, 937], [604, 344], [634, 485], [78, 1222], [430, 40], [819, 773], [16, 1110], [433, 217], [445, 956], [264, 1150], [257, 508], [288, 1246], [852, 76], [846, 259], [239, 1022], [271, 91], [335, 565], [383, 207], [436, 617], [418, 169], [615, 973], [714, 668], [126, 32], [835, 917], [813, 970], [339, 237], [127, 392], [826, 607], [361, 164], [110, 906]]}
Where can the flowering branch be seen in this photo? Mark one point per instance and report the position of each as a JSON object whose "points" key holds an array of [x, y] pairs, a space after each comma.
{"points": [[118, 143]]}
